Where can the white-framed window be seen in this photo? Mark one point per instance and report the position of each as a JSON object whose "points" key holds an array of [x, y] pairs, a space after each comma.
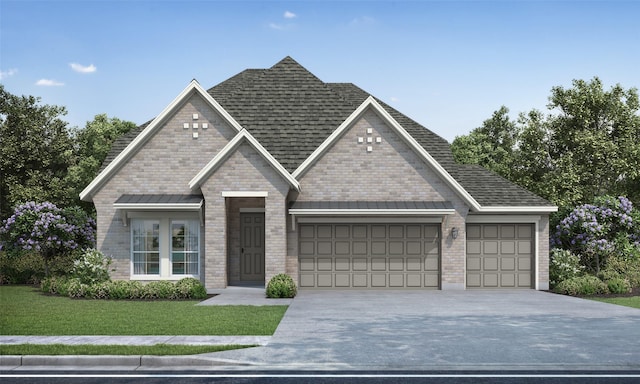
{"points": [[164, 247], [145, 247], [185, 247]]}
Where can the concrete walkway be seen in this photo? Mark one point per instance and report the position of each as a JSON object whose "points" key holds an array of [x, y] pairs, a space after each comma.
{"points": [[435, 330]]}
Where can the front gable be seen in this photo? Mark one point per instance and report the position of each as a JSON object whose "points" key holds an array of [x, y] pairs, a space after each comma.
{"points": [[171, 148], [371, 157]]}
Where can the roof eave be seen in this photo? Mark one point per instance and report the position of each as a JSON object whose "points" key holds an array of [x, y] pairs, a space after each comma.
{"points": [[517, 209]]}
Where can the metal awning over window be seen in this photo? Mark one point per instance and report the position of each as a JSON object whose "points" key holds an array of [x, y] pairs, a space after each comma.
{"points": [[159, 202]]}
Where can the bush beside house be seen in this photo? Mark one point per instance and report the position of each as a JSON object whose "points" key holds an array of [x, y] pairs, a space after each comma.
{"points": [[597, 249]]}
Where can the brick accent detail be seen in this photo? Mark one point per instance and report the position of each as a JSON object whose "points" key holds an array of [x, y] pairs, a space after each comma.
{"points": [[543, 253]]}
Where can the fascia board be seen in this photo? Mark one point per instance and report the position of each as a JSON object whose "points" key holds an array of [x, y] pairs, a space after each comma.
{"points": [[516, 209], [86, 194], [219, 158], [362, 212]]}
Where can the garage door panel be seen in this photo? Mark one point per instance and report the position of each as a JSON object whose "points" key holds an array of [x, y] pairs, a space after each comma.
{"points": [[343, 248], [378, 264], [431, 264], [325, 264], [414, 264], [499, 256], [360, 264], [325, 280], [343, 280], [342, 264], [361, 256], [396, 264]]}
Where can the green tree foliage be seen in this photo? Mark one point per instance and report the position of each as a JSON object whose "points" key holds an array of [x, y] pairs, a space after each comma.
{"points": [[36, 149], [92, 146], [41, 159], [588, 146]]}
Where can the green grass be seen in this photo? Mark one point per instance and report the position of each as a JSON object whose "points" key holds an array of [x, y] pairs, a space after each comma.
{"points": [[26, 311], [631, 301], [157, 350]]}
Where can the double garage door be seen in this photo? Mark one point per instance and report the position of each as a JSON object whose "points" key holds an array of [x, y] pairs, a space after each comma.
{"points": [[500, 255], [361, 256]]}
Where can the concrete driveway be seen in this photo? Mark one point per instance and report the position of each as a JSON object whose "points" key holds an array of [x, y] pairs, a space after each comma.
{"points": [[449, 330]]}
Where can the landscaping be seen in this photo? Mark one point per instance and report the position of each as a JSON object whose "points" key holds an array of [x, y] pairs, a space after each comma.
{"points": [[596, 249], [24, 310]]}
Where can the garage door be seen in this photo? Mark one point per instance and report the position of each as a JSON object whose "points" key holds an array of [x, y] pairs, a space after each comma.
{"points": [[361, 256], [499, 255]]}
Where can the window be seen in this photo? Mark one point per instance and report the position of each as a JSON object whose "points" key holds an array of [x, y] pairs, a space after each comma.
{"points": [[146, 247], [185, 247], [164, 247]]}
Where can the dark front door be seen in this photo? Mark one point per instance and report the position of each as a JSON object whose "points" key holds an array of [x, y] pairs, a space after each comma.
{"points": [[252, 247]]}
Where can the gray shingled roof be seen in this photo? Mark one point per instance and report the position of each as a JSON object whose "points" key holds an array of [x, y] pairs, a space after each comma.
{"points": [[492, 190], [291, 112], [407, 205]]}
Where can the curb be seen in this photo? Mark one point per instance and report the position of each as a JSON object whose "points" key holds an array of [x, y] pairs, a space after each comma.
{"points": [[9, 362]]}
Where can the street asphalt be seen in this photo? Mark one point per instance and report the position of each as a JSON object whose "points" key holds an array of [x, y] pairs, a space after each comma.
{"points": [[399, 330]]}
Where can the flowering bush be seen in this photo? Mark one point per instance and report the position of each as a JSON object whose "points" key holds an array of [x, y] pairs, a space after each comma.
{"points": [[563, 265], [595, 231], [92, 267], [46, 229]]}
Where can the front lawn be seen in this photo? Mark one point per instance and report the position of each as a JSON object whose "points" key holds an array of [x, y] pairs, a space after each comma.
{"points": [[26, 311], [630, 301]]}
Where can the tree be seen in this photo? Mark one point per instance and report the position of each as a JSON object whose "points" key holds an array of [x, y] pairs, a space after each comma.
{"points": [[595, 138], [491, 145], [589, 147], [47, 230], [93, 144], [35, 150]]}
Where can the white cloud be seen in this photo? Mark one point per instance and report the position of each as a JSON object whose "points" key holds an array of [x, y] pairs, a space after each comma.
{"points": [[394, 99], [49, 83], [83, 69], [5, 74], [289, 15], [276, 26]]}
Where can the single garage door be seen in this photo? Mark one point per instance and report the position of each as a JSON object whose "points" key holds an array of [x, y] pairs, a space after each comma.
{"points": [[361, 256], [500, 255]]}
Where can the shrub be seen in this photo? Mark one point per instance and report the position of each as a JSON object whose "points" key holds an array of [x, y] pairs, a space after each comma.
{"points": [[563, 265], [159, 290], [92, 267], [624, 267], [596, 231], [27, 269], [581, 285], [45, 229], [190, 287], [77, 289], [281, 286], [618, 285]]}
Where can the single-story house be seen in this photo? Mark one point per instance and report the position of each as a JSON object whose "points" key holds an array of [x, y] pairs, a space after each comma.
{"points": [[275, 171]]}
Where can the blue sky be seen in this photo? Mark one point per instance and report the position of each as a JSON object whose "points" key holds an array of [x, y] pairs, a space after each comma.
{"points": [[446, 64]]}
